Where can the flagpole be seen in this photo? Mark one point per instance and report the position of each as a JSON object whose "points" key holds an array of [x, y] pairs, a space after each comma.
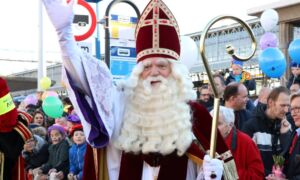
{"points": [[41, 62]]}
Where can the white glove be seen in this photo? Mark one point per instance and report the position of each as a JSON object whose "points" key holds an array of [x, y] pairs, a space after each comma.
{"points": [[60, 12], [61, 15], [212, 166]]}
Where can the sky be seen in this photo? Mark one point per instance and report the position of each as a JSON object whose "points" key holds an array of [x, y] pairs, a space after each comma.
{"points": [[19, 26]]}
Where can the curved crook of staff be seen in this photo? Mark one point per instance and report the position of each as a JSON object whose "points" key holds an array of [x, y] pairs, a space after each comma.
{"points": [[230, 51]]}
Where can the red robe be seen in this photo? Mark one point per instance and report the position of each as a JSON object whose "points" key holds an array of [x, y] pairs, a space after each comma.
{"points": [[246, 156], [11, 145], [131, 167]]}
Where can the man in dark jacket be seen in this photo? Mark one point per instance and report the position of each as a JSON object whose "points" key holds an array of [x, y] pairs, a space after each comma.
{"points": [[205, 97], [236, 97], [269, 128], [291, 169]]}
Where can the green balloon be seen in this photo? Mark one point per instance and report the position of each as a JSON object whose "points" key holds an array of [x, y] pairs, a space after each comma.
{"points": [[53, 107]]}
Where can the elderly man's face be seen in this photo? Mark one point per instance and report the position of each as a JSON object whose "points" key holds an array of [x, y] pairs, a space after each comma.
{"points": [[154, 67], [223, 127]]}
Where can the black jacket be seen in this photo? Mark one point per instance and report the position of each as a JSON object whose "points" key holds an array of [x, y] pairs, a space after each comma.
{"points": [[58, 158], [208, 105], [11, 145], [292, 168], [241, 117], [266, 134], [36, 158], [293, 80]]}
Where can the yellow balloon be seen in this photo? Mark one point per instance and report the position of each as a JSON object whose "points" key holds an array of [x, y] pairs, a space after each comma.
{"points": [[45, 83]]}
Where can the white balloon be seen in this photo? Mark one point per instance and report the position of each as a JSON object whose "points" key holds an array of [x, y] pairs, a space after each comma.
{"points": [[269, 19], [188, 52]]}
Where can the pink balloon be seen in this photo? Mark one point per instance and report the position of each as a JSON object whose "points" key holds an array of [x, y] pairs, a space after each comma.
{"points": [[31, 99], [49, 93], [52, 93], [268, 40]]}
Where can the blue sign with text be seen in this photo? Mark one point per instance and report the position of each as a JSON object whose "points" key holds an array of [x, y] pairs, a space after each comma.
{"points": [[122, 61]]}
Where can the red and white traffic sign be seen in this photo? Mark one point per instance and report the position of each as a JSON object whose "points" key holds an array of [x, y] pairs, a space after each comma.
{"points": [[84, 23]]}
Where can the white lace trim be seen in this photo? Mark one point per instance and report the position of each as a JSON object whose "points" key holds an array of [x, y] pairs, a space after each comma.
{"points": [[101, 86]]}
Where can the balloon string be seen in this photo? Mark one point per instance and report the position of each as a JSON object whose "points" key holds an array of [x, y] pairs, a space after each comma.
{"points": [[294, 79]]}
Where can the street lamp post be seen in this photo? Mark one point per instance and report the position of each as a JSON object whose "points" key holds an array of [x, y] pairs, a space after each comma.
{"points": [[42, 69]]}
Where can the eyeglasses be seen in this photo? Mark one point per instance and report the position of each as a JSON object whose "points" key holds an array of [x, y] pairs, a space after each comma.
{"points": [[295, 110]]}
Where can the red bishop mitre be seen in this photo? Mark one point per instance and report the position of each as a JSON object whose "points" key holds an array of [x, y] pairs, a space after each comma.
{"points": [[8, 111], [157, 33]]}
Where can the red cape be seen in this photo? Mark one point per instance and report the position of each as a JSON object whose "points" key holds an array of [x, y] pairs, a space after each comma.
{"points": [[246, 156]]}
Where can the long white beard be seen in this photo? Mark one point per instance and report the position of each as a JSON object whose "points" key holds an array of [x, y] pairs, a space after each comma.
{"points": [[156, 119]]}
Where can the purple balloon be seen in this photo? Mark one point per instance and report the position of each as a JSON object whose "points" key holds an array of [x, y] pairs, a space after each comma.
{"points": [[268, 40], [31, 99]]}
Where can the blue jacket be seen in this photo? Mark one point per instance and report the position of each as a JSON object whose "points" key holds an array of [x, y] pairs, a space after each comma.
{"points": [[76, 157]]}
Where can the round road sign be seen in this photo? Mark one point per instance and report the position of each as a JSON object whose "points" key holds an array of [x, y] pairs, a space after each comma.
{"points": [[84, 23]]}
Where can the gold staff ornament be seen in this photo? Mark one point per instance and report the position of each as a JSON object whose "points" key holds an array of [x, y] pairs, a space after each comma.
{"points": [[230, 50]]}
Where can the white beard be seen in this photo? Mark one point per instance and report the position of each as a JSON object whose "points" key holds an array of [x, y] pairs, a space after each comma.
{"points": [[156, 119]]}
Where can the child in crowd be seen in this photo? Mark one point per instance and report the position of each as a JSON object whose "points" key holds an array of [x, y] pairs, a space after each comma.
{"points": [[295, 76], [239, 75], [57, 166], [41, 131], [72, 120], [39, 118], [30, 109], [77, 152], [35, 153], [62, 121]]}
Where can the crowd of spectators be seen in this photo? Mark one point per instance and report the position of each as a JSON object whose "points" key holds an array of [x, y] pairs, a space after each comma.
{"points": [[58, 146]]}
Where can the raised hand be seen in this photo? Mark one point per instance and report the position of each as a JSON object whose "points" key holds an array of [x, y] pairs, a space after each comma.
{"points": [[285, 126], [61, 15], [60, 12]]}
